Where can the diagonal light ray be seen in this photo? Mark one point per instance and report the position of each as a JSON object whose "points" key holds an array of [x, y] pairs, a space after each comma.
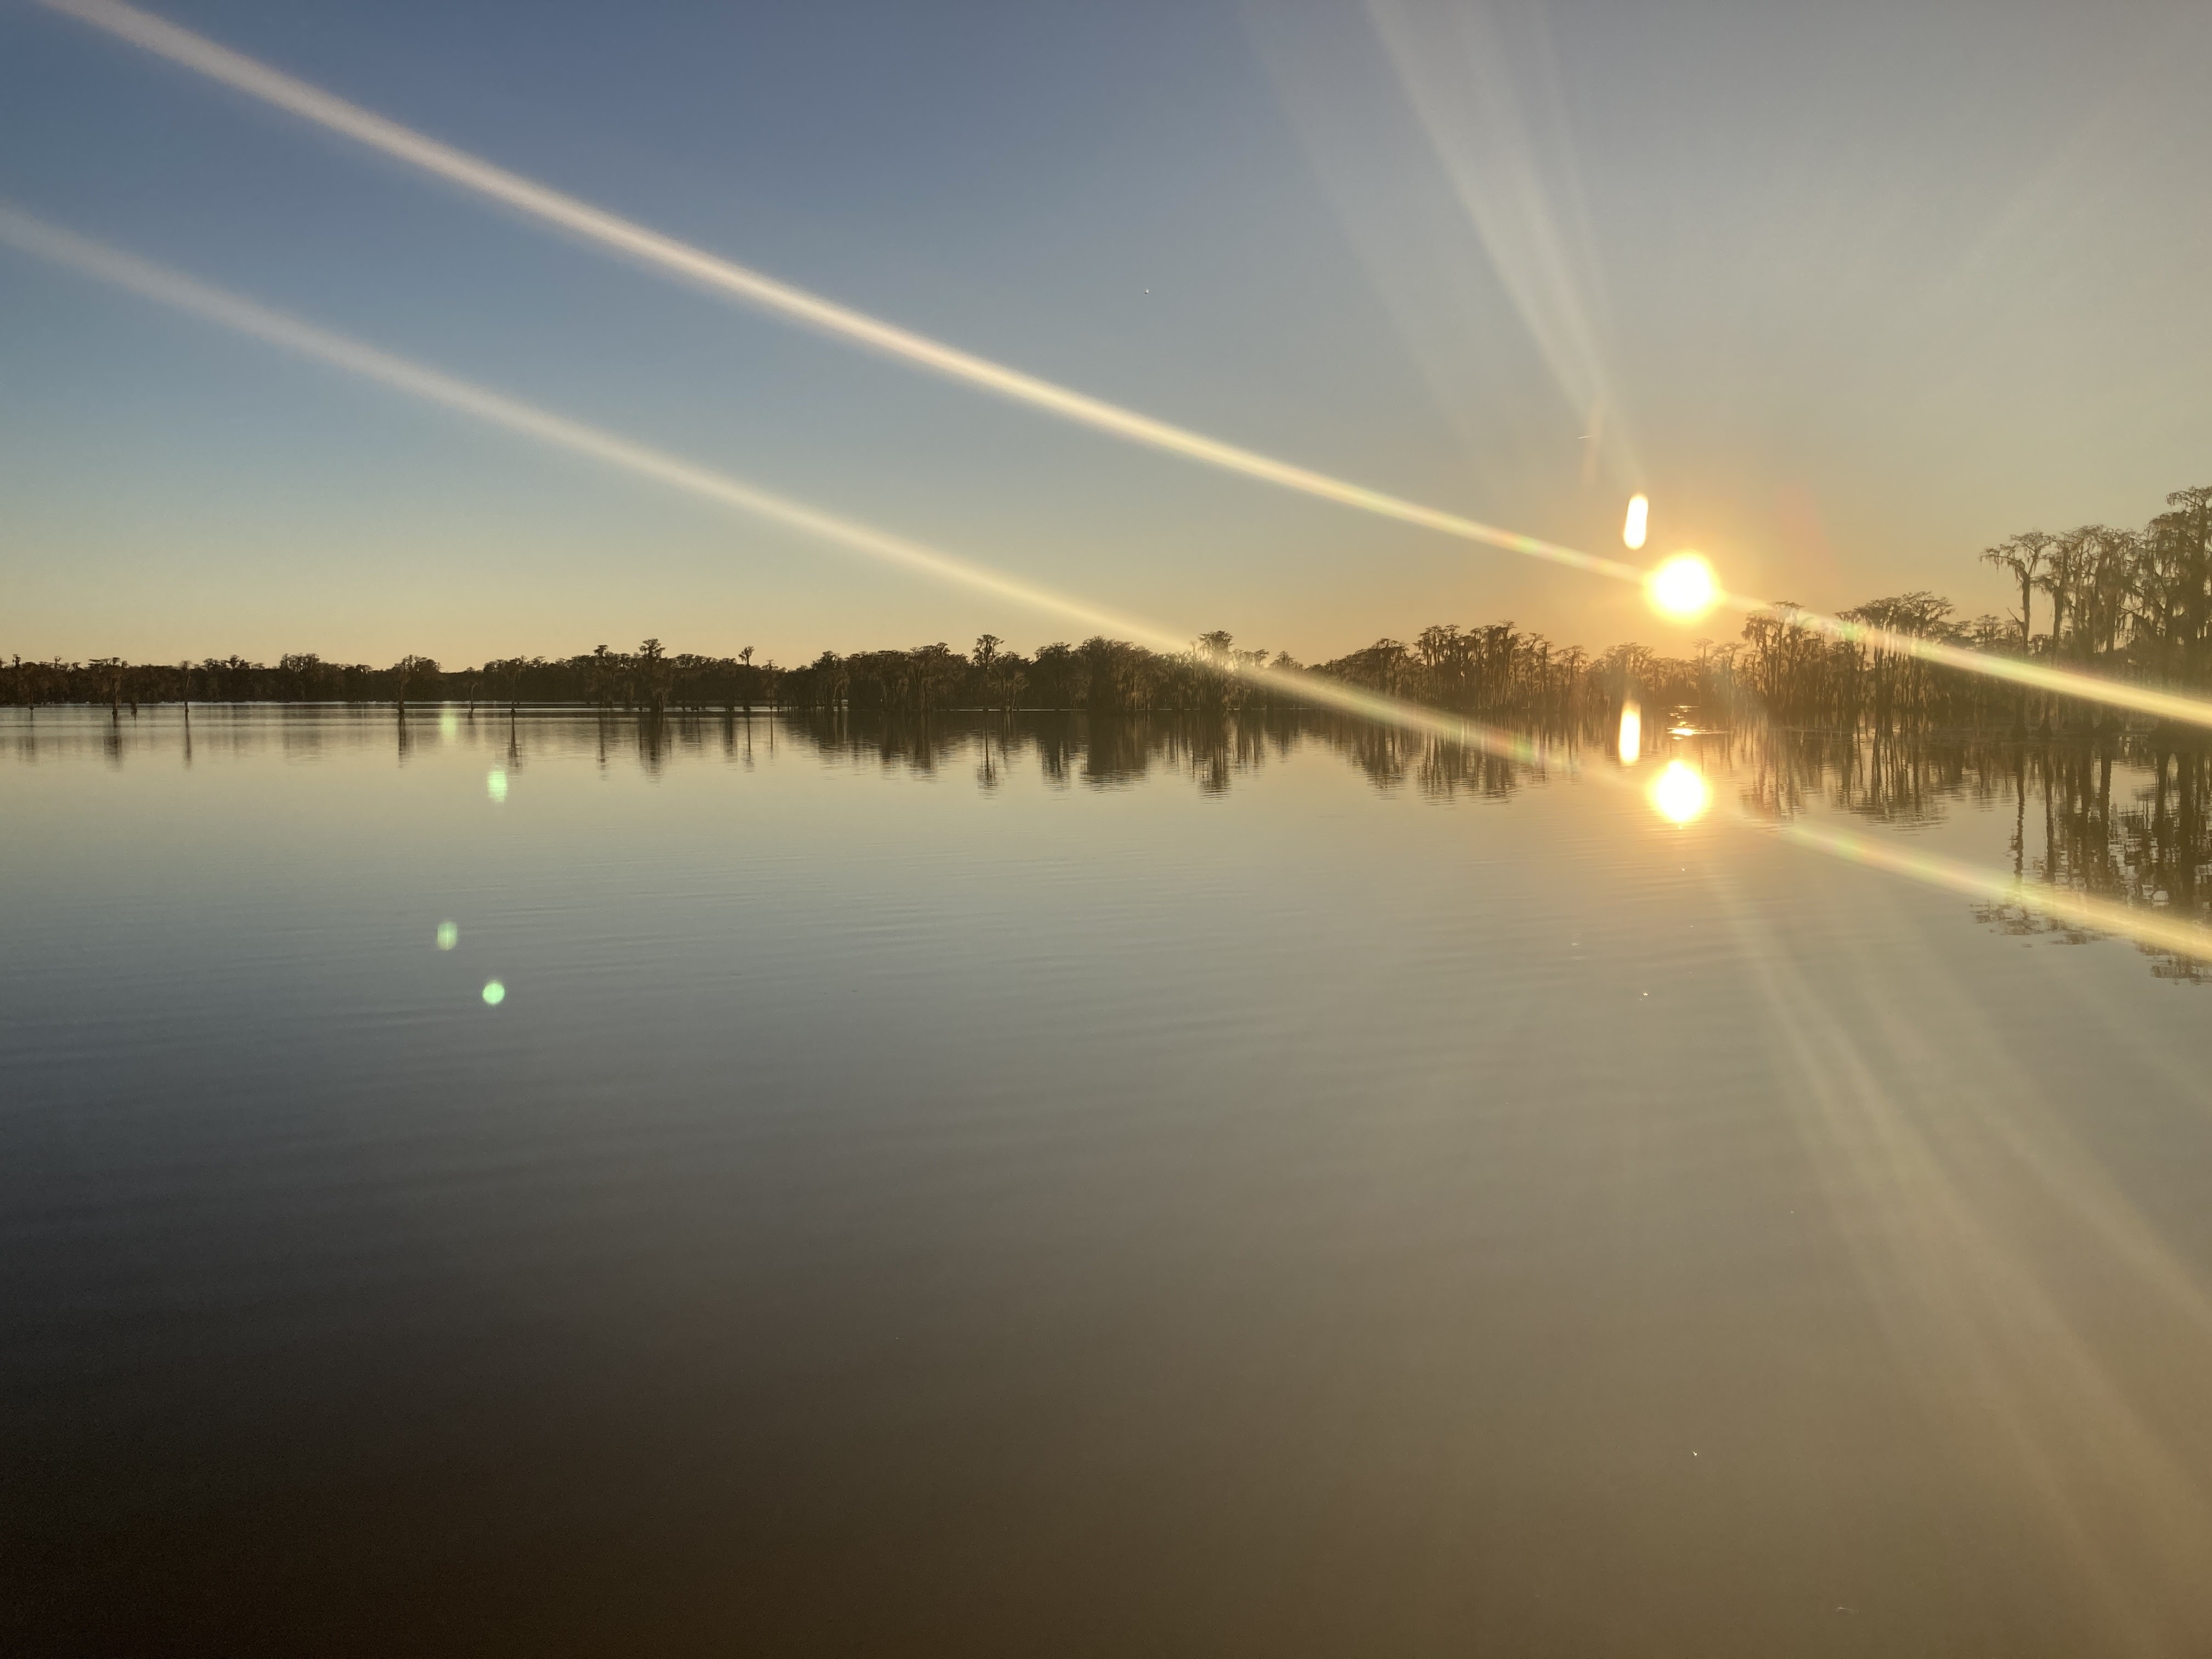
{"points": [[1480, 112], [153, 282], [2060, 904], [271, 86], [2175, 706]]}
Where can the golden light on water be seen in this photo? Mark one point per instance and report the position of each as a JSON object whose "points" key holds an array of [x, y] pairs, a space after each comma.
{"points": [[1680, 794], [1632, 732], [1683, 587], [1632, 533]]}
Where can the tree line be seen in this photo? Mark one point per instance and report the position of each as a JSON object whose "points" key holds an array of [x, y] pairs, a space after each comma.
{"points": [[2132, 604]]}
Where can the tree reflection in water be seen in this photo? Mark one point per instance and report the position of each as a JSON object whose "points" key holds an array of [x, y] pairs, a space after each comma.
{"points": [[2122, 818], [2118, 816]]}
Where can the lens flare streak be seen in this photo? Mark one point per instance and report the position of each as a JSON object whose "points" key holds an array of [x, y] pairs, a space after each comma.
{"points": [[258, 79], [2058, 682], [2060, 904], [171, 287]]}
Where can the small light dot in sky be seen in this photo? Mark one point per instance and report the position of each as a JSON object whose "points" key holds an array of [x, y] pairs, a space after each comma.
{"points": [[495, 784], [449, 935], [494, 993]]}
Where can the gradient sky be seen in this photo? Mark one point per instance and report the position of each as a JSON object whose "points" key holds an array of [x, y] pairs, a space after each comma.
{"points": [[1861, 290]]}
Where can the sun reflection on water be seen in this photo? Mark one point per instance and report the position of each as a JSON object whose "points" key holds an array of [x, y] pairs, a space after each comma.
{"points": [[1681, 793]]}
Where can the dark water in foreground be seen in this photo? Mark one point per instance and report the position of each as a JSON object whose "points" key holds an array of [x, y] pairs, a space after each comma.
{"points": [[1037, 1190]]}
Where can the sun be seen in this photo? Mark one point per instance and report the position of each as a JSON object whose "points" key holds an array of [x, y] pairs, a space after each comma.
{"points": [[1683, 587]]}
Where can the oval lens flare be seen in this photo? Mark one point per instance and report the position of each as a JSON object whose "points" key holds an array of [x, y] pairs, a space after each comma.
{"points": [[1683, 587], [1639, 510], [1680, 794]]}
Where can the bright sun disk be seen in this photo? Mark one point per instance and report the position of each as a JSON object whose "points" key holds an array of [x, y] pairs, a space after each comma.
{"points": [[1683, 587]]}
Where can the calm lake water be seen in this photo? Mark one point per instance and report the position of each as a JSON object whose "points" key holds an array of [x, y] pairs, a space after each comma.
{"points": [[1023, 1189]]}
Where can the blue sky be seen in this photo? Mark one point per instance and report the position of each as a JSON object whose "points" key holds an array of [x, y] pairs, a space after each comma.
{"points": [[1865, 287]]}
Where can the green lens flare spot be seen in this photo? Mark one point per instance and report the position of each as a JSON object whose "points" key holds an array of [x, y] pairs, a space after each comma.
{"points": [[495, 784], [449, 935], [494, 993]]}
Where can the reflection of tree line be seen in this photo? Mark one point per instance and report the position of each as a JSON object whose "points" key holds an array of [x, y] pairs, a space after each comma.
{"points": [[2149, 846], [1105, 751], [2125, 818], [1064, 749], [1902, 779]]}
